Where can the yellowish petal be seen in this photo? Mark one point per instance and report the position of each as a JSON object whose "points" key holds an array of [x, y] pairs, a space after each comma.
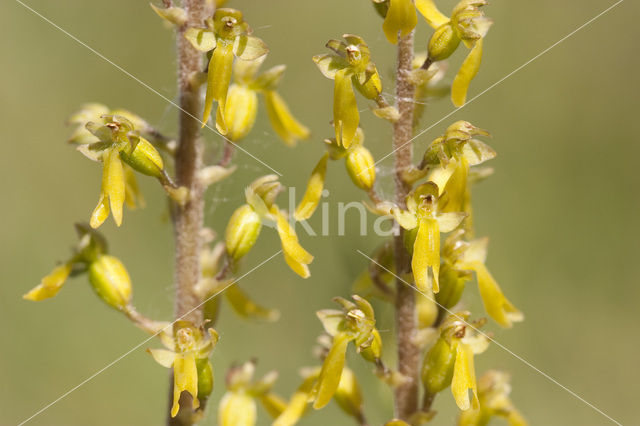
{"points": [[218, 79], [345, 109], [51, 284], [312, 195], [426, 255], [163, 357], [297, 267], [467, 72], [464, 378], [283, 122], [348, 395], [495, 303], [455, 189], [246, 307], [237, 409], [113, 185], [185, 378], [289, 239], [297, 404], [401, 17], [273, 404], [331, 372], [100, 213], [428, 9]]}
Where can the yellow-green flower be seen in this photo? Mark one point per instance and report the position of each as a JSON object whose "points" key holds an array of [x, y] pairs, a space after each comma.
{"points": [[354, 323], [187, 346], [245, 224], [450, 158], [493, 395], [227, 36], [467, 24], [90, 246], [242, 100], [461, 258], [450, 361], [350, 65], [425, 222], [107, 274], [238, 404], [119, 147]]}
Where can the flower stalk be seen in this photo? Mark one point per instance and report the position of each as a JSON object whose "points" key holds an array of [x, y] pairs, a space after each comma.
{"points": [[188, 219], [406, 395]]}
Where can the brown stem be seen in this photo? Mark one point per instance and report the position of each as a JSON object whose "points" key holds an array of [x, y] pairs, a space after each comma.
{"points": [[188, 219], [406, 395], [227, 154], [146, 324]]}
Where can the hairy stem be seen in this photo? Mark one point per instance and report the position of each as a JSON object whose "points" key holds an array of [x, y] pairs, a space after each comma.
{"points": [[406, 395], [188, 219]]}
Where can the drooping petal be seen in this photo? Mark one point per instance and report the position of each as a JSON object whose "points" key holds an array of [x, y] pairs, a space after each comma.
{"points": [[283, 122], [345, 109], [298, 267], [348, 395], [401, 17], [464, 378], [246, 307], [428, 9], [185, 378], [331, 372], [113, 184], [426, 255], [51, 284], [467, 72], [455, 191], [163, 357], [218, 80], [290, 245], [298, 403], [312, 195], [495, 303]]}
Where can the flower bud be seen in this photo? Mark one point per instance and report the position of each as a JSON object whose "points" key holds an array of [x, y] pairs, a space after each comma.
{"points": [[240, 111], [144, 158], [372, 85], [205, 378], [400, 18], [443, 43], [111, 281], [242, 231], [437, 368], [452, 284], [373, 352], [361, 168]]}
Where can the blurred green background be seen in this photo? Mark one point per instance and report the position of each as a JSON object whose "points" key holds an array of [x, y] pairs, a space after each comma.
{"points": [[561, 210]]}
